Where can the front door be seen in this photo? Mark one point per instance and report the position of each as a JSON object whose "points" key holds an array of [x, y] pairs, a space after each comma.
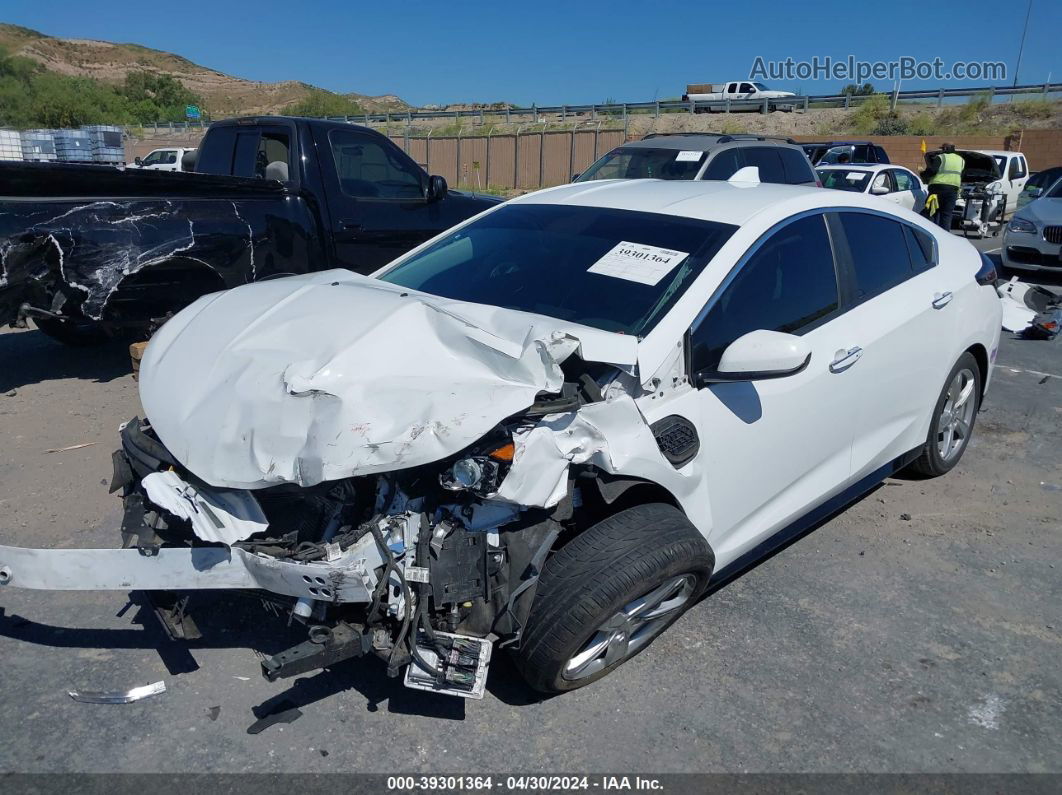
{"points": [[376, 199], [774, 449]]}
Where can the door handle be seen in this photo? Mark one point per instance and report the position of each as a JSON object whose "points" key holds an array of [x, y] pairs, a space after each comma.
{"points": [[348, 230], [941, 300], [844, 359]]}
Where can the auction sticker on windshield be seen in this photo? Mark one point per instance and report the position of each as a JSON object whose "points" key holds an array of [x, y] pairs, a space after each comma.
{"points": [[688, 156], [637, 262]]}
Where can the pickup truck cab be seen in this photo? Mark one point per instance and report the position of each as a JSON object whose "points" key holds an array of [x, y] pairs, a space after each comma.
{"points": [[169, 159], [747, 92], [89, 249]]}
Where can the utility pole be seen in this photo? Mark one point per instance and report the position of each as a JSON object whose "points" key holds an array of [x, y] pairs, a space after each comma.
{"points": [[1021, 46]]}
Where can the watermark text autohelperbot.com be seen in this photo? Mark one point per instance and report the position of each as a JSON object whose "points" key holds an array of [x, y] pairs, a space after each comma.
{"points": [[854, 70]]}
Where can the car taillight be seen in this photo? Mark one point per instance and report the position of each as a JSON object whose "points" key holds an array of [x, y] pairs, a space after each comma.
{"points": [[987, 274]]}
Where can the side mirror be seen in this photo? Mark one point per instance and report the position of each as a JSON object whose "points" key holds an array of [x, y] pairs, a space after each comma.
{"points": [[757, 356], [1034, 191], [436, 188], [138, 161], [879, 190]]}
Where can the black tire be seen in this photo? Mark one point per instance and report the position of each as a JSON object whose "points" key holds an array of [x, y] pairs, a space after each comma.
{"points": [[75, 333], [622, 558], [932, 463]]}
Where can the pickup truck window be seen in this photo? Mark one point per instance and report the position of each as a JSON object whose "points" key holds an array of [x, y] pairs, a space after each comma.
{"points": [[746, 88], [367, 169]]}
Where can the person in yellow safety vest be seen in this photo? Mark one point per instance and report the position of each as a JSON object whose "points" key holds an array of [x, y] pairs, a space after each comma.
{"points": [[944, 173]]}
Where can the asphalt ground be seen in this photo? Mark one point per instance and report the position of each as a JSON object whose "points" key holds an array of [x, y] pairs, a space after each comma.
{"points": [[919, 630]]}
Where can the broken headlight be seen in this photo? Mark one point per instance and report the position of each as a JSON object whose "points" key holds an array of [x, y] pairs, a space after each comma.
{"points": [[474, 473], [477, 473]]}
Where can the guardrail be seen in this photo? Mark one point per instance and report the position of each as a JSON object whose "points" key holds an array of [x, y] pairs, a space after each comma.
{"points": [[623, 109]]}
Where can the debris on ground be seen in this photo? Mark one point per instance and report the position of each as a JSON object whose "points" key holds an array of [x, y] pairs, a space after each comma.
{"points": [[71, 447], [1032, 311], [117, 696], [213, 712]]}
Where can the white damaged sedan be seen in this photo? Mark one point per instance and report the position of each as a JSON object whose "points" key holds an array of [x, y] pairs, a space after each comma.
{"points": [[551, 427]]}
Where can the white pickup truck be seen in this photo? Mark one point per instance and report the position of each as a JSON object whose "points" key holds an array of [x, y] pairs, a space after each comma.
{"points": [[169, 159], [747, 94]]}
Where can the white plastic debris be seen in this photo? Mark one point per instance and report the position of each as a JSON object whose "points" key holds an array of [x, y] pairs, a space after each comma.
{"points": [[117, 696]]}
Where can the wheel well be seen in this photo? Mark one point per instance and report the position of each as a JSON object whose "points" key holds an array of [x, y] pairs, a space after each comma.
{"points": [[161, 288], [981, 355], [604, 496]]}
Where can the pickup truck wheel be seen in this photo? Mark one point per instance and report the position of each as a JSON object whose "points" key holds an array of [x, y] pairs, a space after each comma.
{"points": [[607, 594], [953, 420], [75, 333]]}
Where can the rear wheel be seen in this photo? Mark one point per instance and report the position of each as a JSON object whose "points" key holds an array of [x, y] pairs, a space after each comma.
{"points": [[611, 591], [953, 419]]}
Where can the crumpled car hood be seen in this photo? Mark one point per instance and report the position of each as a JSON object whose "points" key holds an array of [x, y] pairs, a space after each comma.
{"points": [[330, 375]]}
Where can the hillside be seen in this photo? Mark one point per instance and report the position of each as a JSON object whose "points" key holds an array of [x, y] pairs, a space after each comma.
{"points": [[224, 95]]}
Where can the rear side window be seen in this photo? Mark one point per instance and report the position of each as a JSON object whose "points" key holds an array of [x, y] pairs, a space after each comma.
{"points": [[789, 284], [768, 162], [729, 161], [215, 153], [903, 180], [879, 253], [797, 167]]}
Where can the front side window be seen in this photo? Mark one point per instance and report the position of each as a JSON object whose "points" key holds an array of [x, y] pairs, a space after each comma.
{"points": [[879, 253], [903, 180], [367, 168], [567, 262], [789, 284], [645, 163], [746, 88], [152, 159]]}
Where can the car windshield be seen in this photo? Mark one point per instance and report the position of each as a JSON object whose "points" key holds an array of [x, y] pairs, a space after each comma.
{"points": [[761, 87], [616, 270], [1001, 163], [838, 154], [843, 179], [645, 163]]}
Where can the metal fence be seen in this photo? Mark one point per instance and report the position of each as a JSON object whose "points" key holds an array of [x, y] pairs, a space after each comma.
{"points": [[511, 160], [624, 109]]}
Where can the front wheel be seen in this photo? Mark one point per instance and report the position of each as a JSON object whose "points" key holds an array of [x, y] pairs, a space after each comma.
{"points": [[606, 595], [953, 419]]}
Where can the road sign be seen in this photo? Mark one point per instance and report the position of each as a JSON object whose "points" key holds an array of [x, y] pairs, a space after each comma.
{"points": [[191, 112]]}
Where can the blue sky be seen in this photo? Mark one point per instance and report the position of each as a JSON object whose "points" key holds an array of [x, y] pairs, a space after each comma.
{"points": [[551, 52]]}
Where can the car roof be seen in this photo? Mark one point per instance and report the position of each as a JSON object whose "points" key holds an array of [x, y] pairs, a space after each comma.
{"points": [[707, 200], [701, 141], [871, 167], [995, 152]]}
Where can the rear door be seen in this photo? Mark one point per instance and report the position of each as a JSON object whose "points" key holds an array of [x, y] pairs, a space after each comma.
{"points": [[901, 305], [908, 189], [376, 199]]}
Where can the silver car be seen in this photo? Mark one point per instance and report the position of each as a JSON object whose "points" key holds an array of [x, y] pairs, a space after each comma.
{"points": [[1033, 239]]}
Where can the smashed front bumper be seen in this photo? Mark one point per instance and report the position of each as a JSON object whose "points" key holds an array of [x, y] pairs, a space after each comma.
{"points": [[342, 580]]}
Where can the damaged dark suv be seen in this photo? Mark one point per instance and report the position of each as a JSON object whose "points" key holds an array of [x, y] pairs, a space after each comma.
{"points": [[547, 428]]}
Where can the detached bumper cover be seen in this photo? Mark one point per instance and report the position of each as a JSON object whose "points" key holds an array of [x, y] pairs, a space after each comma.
{"points": [[182, 568]]}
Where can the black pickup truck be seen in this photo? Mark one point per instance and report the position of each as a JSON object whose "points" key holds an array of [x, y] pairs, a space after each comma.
{"points": [[88, 250]]}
